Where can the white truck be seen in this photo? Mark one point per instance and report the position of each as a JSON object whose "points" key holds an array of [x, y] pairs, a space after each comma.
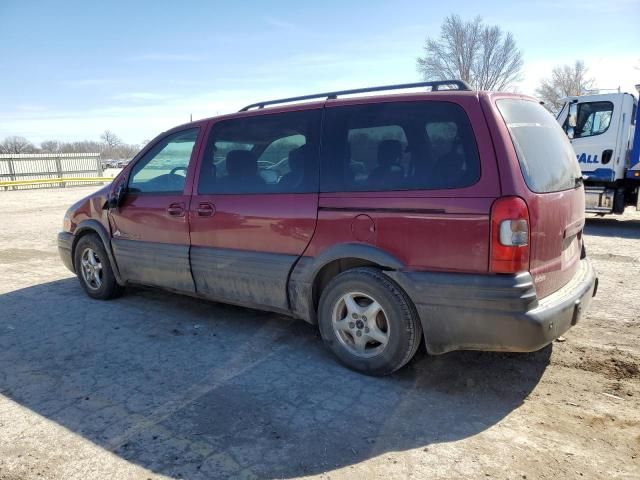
{"points": [[602, 130]]}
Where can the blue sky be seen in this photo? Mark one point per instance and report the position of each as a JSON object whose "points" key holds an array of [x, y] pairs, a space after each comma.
{"points": [[69, 70]]}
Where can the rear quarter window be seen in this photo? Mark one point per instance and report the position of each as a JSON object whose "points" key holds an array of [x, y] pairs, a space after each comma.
{"points": [[546, 157], [398, 146]]}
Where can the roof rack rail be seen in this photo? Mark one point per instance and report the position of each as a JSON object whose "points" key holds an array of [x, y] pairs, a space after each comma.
{"points": [[435, 86]]}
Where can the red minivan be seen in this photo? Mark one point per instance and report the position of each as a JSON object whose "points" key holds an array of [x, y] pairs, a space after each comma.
{"points": [[449, 216]]}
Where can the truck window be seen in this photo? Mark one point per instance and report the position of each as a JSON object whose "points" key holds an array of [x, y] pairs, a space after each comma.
{"points": [[546, 158], [593, 119]]}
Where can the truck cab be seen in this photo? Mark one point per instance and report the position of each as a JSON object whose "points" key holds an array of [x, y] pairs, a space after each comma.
{"points": [[601, 128]]}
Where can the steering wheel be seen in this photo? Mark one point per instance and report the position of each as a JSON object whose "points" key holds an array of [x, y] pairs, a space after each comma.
{"points": [[176, 169]]}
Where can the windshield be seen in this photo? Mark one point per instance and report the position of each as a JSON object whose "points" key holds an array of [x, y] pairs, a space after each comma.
{"points": [[546, 157]]}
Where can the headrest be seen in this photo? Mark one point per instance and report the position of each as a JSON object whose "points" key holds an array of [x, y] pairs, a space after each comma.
{"points": [[241, 163], [389, 151], [297, 157]]}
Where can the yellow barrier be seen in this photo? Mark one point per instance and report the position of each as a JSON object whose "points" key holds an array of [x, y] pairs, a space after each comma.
{"points": [[12, 183]]}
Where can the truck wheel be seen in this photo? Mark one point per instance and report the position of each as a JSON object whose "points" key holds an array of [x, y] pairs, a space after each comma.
{"points": [[94, 270], [368, 321]]}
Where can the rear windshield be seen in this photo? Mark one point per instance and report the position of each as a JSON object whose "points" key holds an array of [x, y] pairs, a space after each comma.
{"points": [[546, 157]]}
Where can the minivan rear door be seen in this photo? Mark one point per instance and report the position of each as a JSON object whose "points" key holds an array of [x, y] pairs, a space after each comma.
{"points": [[551, 184]]}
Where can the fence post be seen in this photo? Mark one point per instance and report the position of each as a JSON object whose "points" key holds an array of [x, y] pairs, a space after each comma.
{"points": [[12, 172], [59, 169]]}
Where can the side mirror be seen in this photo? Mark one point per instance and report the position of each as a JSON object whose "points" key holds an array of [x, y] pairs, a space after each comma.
{"points": [[572, 119], [116, 198], [570, 133]]}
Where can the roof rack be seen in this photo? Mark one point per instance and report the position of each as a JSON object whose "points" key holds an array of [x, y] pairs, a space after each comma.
{"points": [[435, 86]]}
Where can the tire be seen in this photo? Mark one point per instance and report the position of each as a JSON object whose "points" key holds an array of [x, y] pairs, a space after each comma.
{"points": [[94, 270], [396, 327]]}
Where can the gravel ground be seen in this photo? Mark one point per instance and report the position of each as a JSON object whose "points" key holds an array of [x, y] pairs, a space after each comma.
{"points": [[156, 385]]}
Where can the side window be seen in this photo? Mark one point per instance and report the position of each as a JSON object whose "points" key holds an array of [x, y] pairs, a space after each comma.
{"points": [[398, 146], [163, 169], [442, 136], [593, 118], [219, 152], [376, 153], [270, 153]]}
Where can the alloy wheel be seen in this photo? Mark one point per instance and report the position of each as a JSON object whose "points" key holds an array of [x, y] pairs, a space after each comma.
{"points": [[360, 324]]}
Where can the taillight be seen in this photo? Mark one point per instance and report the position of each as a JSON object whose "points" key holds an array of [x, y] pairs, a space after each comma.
{"points": [[509, 235]]}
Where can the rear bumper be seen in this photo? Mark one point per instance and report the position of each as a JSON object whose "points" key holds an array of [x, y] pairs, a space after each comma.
{"points": [[495, 312], [65, 245]]}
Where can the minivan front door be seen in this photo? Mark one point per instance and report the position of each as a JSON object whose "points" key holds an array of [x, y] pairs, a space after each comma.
{"points": [[254, 207], [150, 228]]}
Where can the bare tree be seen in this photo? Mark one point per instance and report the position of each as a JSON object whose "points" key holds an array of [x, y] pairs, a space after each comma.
{"points": [[110, 139], [81, 147], [16, 145], [125, 151], [565, 81], [121, 150], [50, 146], [482, 55]]}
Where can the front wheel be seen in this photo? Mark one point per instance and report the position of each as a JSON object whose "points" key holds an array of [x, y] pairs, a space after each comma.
{"points": [[368, 321], [94, 269]]}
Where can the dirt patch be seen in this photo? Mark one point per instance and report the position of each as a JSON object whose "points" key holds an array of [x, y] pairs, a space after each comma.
{"points": [[612, 364], [613, 368], [613, 257]]}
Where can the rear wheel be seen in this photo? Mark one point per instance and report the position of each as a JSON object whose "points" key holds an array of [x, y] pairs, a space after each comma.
{"points": [[368, 321], [94, 270]]}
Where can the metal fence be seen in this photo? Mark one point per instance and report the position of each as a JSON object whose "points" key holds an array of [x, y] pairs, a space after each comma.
{"points": [[45, 170]]}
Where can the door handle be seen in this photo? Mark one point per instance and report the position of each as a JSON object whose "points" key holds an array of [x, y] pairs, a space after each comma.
{"points": [[176, 209], [205, 209]]}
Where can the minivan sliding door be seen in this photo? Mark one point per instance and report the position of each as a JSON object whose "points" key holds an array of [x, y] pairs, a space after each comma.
{"points": [[254, 208]]}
